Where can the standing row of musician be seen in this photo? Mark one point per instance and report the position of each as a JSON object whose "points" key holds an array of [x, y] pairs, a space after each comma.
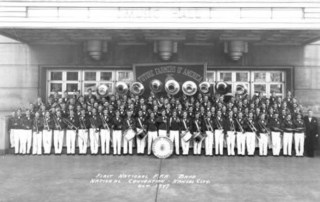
{"points": [[121, 128]]}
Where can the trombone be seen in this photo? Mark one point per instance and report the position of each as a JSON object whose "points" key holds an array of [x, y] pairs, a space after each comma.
{"points": [[209, 124], [104, 122], [70, 124], [264, 128]]}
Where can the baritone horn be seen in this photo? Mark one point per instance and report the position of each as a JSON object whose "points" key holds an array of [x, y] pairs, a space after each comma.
{"points": [[122, 88], [102, 89], [172, 87], [137, 88], [222, 87], [156, 86], [204, 87], [189, 88]]}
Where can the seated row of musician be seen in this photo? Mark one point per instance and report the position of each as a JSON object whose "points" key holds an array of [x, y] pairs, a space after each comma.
{"points": [[211, 131]]}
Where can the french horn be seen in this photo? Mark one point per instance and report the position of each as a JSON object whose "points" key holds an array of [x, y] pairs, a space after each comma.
{"points": [[204, 87], [222, 87], [241, 89], [137, 88], [121, 88], [102, 89], [189, 88], [156, 86], [172, 87]]}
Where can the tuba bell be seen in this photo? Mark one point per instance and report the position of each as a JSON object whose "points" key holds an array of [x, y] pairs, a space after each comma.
{"points": [[156, 86], [172, 87], [102, 90], [189, 88], [204, 87], [222, 87], [121, 88], [241, 89], [137, 88]]}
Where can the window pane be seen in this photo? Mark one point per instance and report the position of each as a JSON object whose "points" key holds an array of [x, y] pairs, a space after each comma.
{"points": [[259, 88], [260, 76], [90, 76], [275, 77], [56, 76], [56, 87], [72, 76], [71, 87], [242, 76], [106, 76], [277, 88], [88, 86], [225, 76], [125, 76], [210, 77]]}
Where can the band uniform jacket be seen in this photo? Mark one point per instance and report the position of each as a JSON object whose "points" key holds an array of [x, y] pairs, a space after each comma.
{"points": [[141, 122], [209, 123], [48, 123], [117, 123], [106, 120], [274, 124], [163, 123], [229, 125], [239, 124], [74, 121], [185, 124], [152, 125], [95, 121], [59, 124], [27, 122], [287, 125], [16, 122], [83, 122], [129, 123], [37, 125], [196, 125], [261, 126], [248, 123], [299, 125], [174, 123], [218, 123]]}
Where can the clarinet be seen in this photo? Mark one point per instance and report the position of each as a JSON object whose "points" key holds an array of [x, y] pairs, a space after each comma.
{"points": [[70, 124]]}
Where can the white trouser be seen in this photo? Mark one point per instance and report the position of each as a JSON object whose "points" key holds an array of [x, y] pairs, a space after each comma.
{"points": [[83, 141], [152, 135], [47, 141], [12, 138], [231, 140], [58, 140], [299, 143], [251, 142], [276, 143], [209, 143], [263, 144], [127, 144], [116, 140], [37, 143], [175, 138], [18, 140], [105, 141], [197, 147], [185, 145], [71, 141], [162, 133], [218, 141], [28, 140], [25, 141], [141, 144], [241, 143], [287, 143], [94, 140]]}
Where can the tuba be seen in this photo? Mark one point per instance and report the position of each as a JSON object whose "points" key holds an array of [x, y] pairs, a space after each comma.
{"points": [[121, 88], [204, 87], [241, 89], [189, 88], [137, 88], [222, 87], [156, 85], [102, 89], [172, 87]]}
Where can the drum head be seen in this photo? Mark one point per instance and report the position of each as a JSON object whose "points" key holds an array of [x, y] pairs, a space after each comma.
{"points": [[162, 147]]}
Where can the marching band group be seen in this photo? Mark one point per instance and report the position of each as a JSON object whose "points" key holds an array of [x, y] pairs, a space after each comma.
{"points": [[198, 121]]}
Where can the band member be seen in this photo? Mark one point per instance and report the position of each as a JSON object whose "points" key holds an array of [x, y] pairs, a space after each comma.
{"points": [[241, 137], [185, 133], [174, 131], [48, 126], [312, 134], [72, 127], [218, 134], [208, 121], [17, 125], [162, 122], [263, 135], [83, 132], [141, 132], [27, 133], [117, 125], [12, 128], [94, 131], [299, 135], [275, 125], [129, 126], [288, 128], [37, 134], [230, 130], [58, 132], [152, 130], [250, 134], [197, 129], [105, 132]]}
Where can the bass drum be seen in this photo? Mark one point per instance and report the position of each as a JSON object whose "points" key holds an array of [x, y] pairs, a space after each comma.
{"points": [[162, 147]]}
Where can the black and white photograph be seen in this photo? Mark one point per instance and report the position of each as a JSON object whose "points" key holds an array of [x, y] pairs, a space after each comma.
{"points": [[159, 100]]}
